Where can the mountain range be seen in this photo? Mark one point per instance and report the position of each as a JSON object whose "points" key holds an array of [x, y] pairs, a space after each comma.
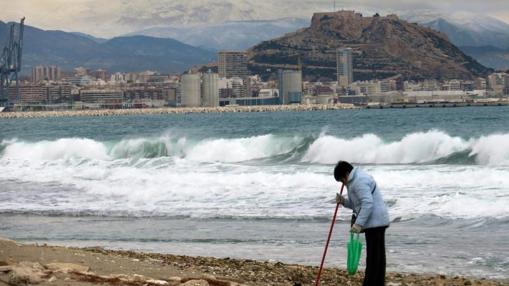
{"points": [[483, 37], [240, 24], [177, 47], [463, 28], [230, 35], [127, 53]]}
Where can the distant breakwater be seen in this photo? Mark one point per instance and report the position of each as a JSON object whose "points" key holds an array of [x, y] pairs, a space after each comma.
{"points": [[173, 110]]}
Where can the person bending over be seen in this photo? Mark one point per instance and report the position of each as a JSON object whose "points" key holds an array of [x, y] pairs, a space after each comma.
{"points": [[370, 216]]}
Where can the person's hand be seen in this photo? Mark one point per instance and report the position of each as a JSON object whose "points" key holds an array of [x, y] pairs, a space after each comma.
{"points": [[340, 199], [356, 228]]}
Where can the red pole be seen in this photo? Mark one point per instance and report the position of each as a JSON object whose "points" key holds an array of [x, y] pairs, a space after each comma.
{"points": [[328, 239]]}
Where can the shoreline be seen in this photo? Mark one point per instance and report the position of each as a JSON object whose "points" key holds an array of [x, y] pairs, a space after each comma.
{"points": [[234, 109], [174, 110], [56, 265]]}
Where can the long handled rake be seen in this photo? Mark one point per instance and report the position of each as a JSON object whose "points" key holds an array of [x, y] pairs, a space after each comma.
{"points": [[328, 240]]}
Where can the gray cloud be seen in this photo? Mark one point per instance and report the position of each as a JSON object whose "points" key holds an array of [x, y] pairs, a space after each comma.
{"points": [[114, 17]]}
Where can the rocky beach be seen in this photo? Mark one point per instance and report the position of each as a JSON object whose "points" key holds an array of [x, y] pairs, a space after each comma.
{"points": [[107, 191], [22, 264], [173, 110]]}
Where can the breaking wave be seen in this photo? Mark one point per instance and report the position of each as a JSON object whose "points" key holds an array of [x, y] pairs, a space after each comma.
{"points": [[434, 147], [416, 148]]}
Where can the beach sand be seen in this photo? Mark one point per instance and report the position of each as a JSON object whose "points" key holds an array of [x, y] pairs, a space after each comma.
{"points": [[22, 264]]}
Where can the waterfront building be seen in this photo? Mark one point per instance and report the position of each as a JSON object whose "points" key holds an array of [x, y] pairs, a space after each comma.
{"points": [[30, 94], [436, 96], [191, 90], [290, 86], [268, 92], [366, 87], [249, 101], [480, 83], [210, 89], [430, 85], [102, 98], [232, 64], [239, 89], [387, 85], [498, 82], [142, 95], [353, 99], [225, 92], [453, 84], [59, 94], [344, 67], [170, 95], [40, 94], [416, 86]]}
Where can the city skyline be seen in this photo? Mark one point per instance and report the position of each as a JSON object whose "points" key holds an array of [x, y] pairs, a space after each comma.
{"points": [[114, 18]]}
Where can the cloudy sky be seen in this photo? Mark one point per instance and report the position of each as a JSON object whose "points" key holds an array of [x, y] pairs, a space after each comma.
{"points": [[107, 18]]}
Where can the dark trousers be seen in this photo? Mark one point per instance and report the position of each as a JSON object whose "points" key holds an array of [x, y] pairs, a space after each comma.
{"points": [[375, 257]]}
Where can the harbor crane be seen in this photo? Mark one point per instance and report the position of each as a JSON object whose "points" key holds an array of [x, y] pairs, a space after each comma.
{"points": [[10, 64]]}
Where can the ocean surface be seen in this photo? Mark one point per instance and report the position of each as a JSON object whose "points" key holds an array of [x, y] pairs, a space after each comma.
{"points": [[260, 185]]}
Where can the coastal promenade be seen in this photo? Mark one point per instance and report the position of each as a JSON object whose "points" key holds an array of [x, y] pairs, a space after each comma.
{"points": [[173, 110]]}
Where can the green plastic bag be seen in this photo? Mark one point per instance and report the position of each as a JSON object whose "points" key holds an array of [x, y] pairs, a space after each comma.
{"points": [[354, 253]]}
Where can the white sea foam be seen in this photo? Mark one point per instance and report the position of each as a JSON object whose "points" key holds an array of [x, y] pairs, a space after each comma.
{"points": [[65, 148], [444, 190], [421, 147], [177, 187], [492, 150], [168, 176], [206, 150], [371, 149]]}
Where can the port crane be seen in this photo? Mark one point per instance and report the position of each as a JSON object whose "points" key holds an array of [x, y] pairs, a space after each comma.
{"points": [[10, 64]]}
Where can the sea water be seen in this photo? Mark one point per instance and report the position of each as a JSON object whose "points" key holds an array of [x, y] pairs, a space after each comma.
{"points": [[260, 185]]}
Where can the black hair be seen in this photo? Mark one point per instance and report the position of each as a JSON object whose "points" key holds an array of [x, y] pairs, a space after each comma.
{"points": [[341, 169]]}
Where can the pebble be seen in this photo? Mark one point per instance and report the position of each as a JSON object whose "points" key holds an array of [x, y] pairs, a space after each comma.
{"points": [[174, 110]]}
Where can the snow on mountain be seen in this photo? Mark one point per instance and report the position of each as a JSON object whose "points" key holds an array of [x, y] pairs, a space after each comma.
{"points": [[477, 22], [233, 35], [232, 24], [465, 28]]}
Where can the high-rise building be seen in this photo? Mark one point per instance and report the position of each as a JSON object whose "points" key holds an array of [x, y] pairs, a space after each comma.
{"points": [[100, 74], [42, 73], [191, 94], [290, 86], [344, 67], [210, 89], [232, 64]]}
